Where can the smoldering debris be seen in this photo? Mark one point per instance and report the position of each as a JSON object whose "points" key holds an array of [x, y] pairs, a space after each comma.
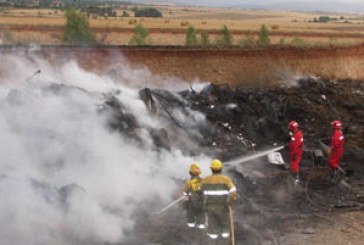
{"points": [[82, 156], [242, 121], [232, 122], [108, 155]]}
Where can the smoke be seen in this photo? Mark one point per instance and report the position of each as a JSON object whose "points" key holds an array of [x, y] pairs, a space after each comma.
{"points": [[65, 177]]}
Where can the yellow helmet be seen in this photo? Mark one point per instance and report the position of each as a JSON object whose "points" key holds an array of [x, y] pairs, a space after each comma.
{"points": [[195, 169], [216, 165]]}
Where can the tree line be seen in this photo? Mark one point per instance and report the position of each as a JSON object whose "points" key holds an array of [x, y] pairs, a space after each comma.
{"points": [[77, 32], [201, 38]]}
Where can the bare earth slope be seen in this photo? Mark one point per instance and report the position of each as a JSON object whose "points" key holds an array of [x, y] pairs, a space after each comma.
{"points": [[231, 66]]}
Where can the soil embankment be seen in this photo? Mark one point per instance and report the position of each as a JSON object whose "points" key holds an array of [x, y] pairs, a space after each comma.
{"points": [[232, 66]]}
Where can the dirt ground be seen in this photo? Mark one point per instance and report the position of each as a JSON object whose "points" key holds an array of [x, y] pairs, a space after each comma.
{"points": [[328, 228]]}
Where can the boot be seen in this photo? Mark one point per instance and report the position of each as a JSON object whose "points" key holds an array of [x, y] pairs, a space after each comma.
{"points": [[297, 180], [335, 176]]}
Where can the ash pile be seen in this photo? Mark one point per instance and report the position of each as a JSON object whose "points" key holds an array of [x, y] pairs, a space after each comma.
{"points": [[242, 121]]}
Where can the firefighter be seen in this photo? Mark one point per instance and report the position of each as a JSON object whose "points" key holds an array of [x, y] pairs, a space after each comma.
{"points": [[336, 149], [194, 204], [219, 195], [295, 148]]}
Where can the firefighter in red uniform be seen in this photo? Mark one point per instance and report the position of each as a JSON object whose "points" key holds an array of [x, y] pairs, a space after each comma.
{"points": [[337, 145], [295, 147]]}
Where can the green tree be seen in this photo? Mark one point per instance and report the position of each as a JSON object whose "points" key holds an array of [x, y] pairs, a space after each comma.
{"points": [[205, 41], [225, 38], [148, 12], [324, 19], [264, 39], [77, 30], [134, 8], [140, 36], [191, 38]]}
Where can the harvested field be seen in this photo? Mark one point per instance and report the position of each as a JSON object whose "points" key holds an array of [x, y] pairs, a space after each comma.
{"points": [[173, 25]]}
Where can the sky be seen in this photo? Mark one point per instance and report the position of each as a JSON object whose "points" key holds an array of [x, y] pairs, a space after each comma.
{"points": [[356, 6]]}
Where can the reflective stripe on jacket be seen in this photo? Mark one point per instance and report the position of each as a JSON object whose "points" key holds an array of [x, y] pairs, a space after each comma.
{"points": [[337, 139], [337, 151], [296, 143], [218, 188]]}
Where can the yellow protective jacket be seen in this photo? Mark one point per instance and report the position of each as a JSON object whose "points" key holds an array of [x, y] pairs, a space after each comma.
{"points": [[192, 189], [192, 185], [218, 189]]}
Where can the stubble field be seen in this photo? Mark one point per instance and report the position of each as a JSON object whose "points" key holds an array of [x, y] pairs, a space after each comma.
{"points": [[44, 26]]}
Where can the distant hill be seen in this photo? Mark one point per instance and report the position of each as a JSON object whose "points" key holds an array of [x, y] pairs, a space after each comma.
{"points": [[355, 6]]}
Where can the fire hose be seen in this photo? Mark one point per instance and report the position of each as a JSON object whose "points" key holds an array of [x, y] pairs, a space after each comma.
{"points": [[322, 207], [232, 231], [231, 219], [170, 205]]}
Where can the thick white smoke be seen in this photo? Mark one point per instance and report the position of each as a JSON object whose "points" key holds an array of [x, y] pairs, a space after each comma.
{"points": [[65, 177]]}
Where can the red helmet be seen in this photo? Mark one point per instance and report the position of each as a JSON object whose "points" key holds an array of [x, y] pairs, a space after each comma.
{"points": [[336, 124], [292, 125]]}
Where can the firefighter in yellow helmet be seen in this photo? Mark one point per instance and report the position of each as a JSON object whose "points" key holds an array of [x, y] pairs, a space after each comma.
{"points": [[194, 205], [219, 194]]}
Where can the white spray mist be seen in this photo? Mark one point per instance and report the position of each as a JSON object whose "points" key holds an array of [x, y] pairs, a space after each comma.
{"points": [[65, 177]]}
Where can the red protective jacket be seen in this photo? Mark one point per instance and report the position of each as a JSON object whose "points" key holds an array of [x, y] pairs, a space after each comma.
{"points": [[337, 149], [295, 150]]}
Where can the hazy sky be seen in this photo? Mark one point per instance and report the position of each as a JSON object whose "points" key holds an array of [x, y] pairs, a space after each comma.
{"points": [[308, 5]]}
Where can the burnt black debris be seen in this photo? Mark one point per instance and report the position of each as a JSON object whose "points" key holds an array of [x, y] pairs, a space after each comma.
{"points": [[241, 120], [261, 114], [226, 122], [118, 117]]}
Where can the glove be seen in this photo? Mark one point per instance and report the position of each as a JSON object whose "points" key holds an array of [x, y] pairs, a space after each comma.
{"points": [[232, 200]]}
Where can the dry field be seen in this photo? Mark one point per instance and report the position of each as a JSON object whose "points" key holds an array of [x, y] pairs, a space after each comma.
{"points": [[44, 26]]}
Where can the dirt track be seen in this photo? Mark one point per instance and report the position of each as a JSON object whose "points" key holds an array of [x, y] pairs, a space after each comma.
{"points": [[232, 66]]}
